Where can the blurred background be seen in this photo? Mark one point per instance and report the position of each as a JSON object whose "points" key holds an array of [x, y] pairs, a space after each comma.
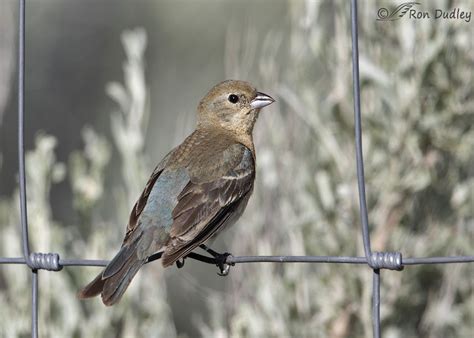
{"points": [[112, 86]]}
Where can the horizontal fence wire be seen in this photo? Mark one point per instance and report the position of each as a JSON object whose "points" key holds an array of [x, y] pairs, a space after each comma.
{"points": [[374, 260], [272, 259]]}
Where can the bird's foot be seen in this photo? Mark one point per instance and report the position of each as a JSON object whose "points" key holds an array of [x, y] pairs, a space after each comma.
{"points": [[180, 262], [220, 259]]}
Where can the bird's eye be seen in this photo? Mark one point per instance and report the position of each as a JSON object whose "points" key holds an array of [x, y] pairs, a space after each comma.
{"points": [[233, 98]]}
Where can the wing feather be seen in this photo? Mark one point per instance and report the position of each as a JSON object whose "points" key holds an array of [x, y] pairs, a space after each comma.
{"points": [[141, 202], [204, 208]]}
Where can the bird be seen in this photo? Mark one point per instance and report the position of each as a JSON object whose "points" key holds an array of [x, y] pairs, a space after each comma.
{"points": [[199, 188]]}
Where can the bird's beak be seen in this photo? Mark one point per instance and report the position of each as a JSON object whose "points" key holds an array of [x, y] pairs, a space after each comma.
{"points": [[261, 100]]}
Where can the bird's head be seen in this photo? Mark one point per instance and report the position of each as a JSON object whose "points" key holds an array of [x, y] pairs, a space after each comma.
{"points": [[232, 105]]}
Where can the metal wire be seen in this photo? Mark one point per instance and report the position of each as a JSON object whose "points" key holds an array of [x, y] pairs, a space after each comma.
{"points": [[34, 304], [358, 131], [375, 260], [376, 303], [21, 128], [270, 259], [360, 171], [21, 168]]}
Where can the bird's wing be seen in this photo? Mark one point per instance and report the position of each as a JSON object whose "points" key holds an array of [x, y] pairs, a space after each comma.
{"points": [[204, 208], [142, 200], [150, 218]]}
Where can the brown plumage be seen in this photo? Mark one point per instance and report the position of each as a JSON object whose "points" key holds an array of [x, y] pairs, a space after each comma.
{"points": [[200, 187]]}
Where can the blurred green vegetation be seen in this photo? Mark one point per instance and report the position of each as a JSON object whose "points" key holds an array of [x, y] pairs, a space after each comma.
{"points": [[89, 164]]}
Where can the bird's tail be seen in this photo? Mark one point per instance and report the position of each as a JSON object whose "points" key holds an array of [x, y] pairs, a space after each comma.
{"points": [[116, 277]]}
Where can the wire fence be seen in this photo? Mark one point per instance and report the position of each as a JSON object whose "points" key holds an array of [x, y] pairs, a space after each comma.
{"points": [[376, 261]]}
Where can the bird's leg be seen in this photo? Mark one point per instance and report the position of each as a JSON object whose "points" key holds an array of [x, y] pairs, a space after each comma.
{"points": [[212, 252], [220, 260], [154, 257]]}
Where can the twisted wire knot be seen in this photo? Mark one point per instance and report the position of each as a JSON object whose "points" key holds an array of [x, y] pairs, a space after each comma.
{"points": [[45, 261], [386, 260]]}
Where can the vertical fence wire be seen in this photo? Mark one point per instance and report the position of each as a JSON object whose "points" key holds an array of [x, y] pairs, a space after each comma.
{"points": [[21, 127], [34, 304], [21, 168], [376, 261], [360, 170], [376, 303], [358, 131]]}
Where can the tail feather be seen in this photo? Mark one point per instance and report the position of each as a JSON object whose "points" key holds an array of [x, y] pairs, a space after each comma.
{"points": [[92, 289], [113, 285], [116, 285], [124, 255]]}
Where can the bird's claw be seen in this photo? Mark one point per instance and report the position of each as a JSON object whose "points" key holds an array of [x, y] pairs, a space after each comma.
{"points": [[220, 259], [224, 268], [180, 263]]}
